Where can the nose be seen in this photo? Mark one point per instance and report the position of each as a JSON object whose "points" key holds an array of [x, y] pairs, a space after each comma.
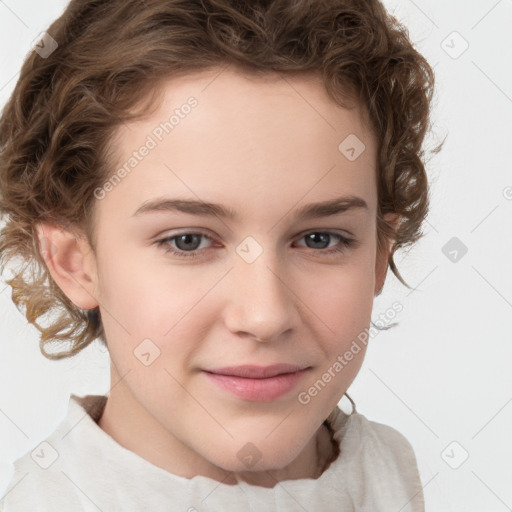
{"points": [[261, 303]]}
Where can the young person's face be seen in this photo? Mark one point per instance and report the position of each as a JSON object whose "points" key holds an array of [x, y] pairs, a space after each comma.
{"points": [[257, 290]]}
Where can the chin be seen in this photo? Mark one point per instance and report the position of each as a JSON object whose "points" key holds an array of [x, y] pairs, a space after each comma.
{"points": [[253, 457]]}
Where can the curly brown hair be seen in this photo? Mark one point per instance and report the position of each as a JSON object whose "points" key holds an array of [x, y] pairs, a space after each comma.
{"points": [[56, 127]]}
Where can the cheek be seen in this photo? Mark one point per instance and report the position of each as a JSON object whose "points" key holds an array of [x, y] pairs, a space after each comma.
{"points": [[339, 303], [342, 296], [136, 285], [166, 304]]}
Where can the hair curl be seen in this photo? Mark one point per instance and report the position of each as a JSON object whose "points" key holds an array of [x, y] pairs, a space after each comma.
{"points": [[56, 126]]}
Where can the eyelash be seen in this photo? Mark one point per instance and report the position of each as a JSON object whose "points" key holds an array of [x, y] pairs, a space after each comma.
{"points": [[164, 243]]}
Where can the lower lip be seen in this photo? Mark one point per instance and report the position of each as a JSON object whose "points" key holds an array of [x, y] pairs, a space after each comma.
{"points": [[258, 390]]}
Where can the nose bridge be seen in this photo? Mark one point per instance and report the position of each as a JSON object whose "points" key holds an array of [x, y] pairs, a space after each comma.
{"points": [[261, 304]]}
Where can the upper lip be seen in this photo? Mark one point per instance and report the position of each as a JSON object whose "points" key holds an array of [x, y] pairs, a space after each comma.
{"points": [[257, 372]]}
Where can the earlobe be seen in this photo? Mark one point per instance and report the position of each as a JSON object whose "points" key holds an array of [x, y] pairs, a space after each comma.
{"points": [[70, 262]]}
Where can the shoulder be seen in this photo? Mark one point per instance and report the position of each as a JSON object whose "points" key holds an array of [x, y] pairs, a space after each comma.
{"points": [[39, 476], [389, 448], [388, 439], [382, 440], [382, 457]]}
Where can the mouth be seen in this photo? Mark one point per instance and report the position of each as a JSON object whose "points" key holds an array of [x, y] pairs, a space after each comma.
{"points": [[258, 383]]}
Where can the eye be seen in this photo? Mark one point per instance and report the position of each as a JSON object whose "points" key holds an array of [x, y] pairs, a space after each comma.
{"points": [[189, 244], [316, 238]]}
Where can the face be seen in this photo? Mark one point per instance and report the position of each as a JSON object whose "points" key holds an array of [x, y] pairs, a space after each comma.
{"points": [[241, 271]]}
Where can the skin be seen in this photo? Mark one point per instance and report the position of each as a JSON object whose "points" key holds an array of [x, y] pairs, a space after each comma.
{"points": [[263, 147]]}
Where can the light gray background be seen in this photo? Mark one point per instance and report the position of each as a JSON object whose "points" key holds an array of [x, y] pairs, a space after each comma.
{"points": [[443, 374]]}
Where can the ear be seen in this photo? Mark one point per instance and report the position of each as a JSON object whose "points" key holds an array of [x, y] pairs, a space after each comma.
{"points": [[381, 261], [71, 263]]}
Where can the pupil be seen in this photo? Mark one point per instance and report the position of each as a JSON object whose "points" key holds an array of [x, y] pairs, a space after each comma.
{"points": [[187, 239], [313, 237]]}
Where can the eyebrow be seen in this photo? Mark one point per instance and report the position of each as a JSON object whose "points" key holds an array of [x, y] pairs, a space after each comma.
{"points": [[309, 211]]}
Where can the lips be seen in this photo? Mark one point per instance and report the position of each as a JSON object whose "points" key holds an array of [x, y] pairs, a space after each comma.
{"points": [[257, 383], [257, 372]]}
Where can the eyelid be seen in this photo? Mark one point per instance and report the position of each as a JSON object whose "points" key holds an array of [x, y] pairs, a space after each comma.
{"points": [[206, 233], [334, 231], [209, 234], [166, 233]]}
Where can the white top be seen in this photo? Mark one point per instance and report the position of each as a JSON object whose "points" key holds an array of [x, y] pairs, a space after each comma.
{"points": [[81, 468]]}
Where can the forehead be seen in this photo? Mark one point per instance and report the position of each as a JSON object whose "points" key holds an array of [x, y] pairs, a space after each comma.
{"points": [[222, 135]]}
